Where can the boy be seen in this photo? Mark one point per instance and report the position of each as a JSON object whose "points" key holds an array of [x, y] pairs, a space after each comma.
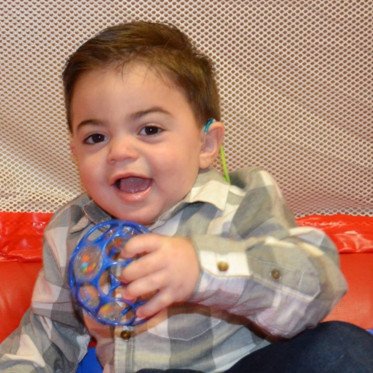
{"points": [[225, 269]]}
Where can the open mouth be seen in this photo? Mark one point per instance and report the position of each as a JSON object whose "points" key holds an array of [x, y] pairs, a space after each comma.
{"points": [[133, 184]]}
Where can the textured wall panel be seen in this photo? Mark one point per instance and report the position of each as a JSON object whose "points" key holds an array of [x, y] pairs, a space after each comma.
{"points": [[295, 80]]}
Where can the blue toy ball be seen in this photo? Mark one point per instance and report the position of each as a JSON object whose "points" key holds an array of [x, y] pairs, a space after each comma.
{"points": [[94, 269]]}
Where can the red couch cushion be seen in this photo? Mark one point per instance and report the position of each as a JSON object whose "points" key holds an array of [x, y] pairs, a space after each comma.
{"points": [[21, 235], [357, 305], [353, 236]]}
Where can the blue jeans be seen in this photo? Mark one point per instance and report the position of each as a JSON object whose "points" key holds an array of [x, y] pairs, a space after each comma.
{"points": [[331, 347]]}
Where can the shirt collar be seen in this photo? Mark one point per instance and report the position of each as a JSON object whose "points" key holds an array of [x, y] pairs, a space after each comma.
{"points": [[209, 187], [93, 214]]}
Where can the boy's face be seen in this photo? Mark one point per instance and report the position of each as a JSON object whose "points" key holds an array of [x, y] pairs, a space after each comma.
{"points": [[136, 141]]}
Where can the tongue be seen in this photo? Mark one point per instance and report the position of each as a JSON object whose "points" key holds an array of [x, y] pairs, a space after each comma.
{"points": [[134, 184]]}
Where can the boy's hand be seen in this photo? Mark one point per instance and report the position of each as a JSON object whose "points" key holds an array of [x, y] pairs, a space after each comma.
{"points": [[168, 267]]}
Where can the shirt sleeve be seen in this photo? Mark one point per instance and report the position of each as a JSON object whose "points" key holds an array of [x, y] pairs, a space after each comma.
{"points": [[50, 338], [279, 276]]}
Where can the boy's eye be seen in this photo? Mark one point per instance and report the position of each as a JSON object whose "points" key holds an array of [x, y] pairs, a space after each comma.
{"points": [[95, 138], [150, 131]]}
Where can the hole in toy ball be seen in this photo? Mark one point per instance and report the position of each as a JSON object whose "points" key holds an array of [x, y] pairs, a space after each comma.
{"points": [[105, 283], [87, 263], [114, 247], [118, 294], [89, 296], [128, 317], [116, 312], [105, 231], [110, 312]]}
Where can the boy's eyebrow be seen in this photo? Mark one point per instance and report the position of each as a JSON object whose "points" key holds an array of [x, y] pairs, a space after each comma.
{"points": [[154, 109], [86, 122]]}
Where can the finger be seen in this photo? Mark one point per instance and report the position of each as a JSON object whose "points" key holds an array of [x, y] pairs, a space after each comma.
{"points": [[157, 303], [144, 286], [141, 267], [139, 245]]}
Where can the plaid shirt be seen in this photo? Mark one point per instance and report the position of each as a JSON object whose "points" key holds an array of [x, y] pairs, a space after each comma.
{"points": [[257, 268]]}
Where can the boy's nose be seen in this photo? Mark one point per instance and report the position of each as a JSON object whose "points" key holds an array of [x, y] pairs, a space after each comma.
{"points": [[122, 149]]}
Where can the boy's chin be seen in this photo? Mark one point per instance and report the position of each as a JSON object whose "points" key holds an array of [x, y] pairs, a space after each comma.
{"points": [[136, 218]]}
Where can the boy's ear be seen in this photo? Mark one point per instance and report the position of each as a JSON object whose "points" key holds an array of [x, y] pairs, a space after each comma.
{"points": [[212, 140]]}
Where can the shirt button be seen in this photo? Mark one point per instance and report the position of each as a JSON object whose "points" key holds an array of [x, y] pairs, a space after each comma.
{"points": [[276, 274], [125, 334], [223, 266]]}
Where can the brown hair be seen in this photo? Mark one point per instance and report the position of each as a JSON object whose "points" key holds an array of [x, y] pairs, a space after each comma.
{"points": [[161, 46]]}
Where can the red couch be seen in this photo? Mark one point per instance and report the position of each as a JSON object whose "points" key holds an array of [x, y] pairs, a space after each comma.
{"points": [[20, 261]]}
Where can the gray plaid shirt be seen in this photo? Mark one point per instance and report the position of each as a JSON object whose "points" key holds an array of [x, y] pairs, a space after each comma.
{"points": [[261, 275]]}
